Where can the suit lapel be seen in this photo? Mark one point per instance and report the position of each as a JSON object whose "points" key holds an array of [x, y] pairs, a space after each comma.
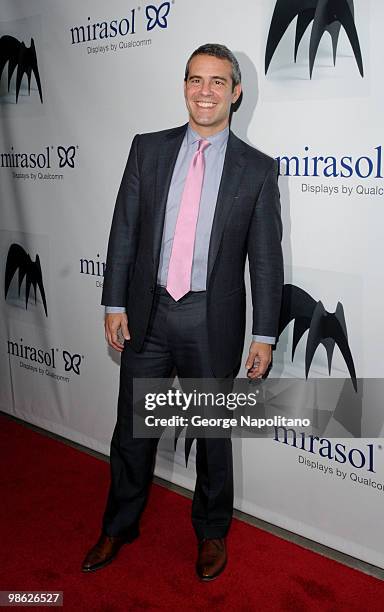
{"points": [[166, 161], [232, 171]]}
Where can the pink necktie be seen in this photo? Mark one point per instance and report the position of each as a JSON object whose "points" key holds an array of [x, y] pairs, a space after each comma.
{"points": [[180, 263]]}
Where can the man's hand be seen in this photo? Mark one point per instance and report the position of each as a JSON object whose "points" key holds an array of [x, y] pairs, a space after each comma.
{"points": [[259, 358], [113, 323]]}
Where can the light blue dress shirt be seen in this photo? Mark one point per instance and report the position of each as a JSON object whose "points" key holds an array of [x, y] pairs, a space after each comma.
{"points": [[214, 156]]}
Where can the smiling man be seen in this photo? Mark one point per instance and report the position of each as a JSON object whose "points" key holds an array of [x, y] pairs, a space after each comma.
{"points": [[194, 202], [209, 92]]}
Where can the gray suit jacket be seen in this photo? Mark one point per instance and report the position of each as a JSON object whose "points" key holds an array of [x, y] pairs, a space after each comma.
{"points": [[247, 222]]}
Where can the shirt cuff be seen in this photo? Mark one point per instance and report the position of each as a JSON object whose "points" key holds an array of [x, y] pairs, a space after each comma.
{"points": [[265, 339], [114, 309]]}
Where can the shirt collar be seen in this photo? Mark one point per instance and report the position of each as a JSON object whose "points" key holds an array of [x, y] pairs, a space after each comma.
{"points": [[217, 140]]}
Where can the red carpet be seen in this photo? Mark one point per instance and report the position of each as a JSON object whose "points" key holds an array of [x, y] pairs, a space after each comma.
{"points": [[52, 497]]}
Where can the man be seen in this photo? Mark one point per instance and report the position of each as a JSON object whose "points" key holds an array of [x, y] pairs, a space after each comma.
{"points": [[194, 201]]}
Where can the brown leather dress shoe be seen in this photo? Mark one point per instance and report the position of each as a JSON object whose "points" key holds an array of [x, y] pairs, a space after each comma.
{"points": [[104, 551], [211, 559]]}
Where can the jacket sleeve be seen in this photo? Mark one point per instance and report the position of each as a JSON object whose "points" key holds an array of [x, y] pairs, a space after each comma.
{"points": [[266, 258], [123, 237]]}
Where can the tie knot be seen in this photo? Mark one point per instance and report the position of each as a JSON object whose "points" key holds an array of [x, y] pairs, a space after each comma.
{"points": [[203, 144]]}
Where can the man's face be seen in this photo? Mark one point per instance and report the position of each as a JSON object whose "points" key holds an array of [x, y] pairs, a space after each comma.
{"points": [[208, 94]]}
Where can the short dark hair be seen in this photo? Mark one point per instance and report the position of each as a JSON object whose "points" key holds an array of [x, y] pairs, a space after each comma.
{"points": [[222, 52]]}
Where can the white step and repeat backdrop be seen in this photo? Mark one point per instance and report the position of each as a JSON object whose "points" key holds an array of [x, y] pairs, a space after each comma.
{"points": [[101, 72]]}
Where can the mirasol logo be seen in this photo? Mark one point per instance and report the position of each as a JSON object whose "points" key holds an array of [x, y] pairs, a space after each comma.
{"points": [[93, 267], [346, 166], [50, 358], [64, 157], [50, 157], [156, 16], [327, 449]]}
